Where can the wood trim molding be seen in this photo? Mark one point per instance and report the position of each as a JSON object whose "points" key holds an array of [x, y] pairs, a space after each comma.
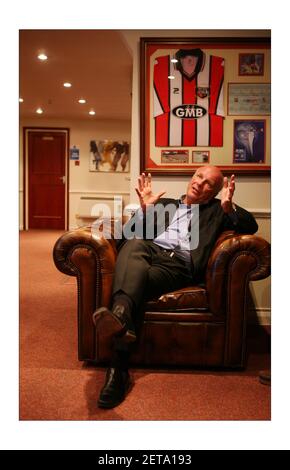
{"points": [[261, 213], [100, 193], [260, 316]]}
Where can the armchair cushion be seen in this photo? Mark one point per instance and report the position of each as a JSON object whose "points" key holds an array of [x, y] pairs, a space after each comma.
{"points": [[194, 297]]}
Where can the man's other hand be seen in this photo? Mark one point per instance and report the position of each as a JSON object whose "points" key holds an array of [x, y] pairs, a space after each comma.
{"points": [[227, 194]]}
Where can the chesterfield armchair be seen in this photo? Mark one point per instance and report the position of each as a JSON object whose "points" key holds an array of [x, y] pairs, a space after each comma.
{"points": [[202, 325]]}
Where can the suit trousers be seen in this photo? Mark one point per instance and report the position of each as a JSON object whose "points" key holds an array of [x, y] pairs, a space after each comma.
{"points": [[145, 271]]}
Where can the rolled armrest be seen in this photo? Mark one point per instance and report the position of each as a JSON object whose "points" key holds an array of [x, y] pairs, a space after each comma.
{"points": [[91, 258], [83, 237], [235, 260], [88, 255]]}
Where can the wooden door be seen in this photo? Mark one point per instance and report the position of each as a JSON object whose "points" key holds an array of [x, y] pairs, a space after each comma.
{"points": [[46, 179]]}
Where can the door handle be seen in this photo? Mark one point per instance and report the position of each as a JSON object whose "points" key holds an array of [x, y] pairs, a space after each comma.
{"points": [[63, 178]]}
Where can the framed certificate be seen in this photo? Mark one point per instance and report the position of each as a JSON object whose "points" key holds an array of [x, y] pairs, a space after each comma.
{"points": [[249, 99]]}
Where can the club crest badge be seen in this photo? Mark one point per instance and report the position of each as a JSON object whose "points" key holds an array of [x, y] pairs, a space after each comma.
{"points": [[202, 92]]}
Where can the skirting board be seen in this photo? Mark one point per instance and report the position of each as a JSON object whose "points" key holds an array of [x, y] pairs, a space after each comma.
{"points": [[260, 316]]}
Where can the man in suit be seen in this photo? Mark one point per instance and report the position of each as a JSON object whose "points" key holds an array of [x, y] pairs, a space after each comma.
{"points": [[164, 258]]}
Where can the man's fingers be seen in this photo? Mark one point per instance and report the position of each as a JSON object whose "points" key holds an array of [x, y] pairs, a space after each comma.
{"points": [[232, 184], [142, 183], [229, 185], [139, 183], [159, 195], [149, 179]]}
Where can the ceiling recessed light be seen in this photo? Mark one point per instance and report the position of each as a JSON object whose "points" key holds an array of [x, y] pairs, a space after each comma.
{"points": [[92, 112], [42, 57], [82, 101], [171, 77], [174, 61], [67, 84], [39, 111], [21, 100]]}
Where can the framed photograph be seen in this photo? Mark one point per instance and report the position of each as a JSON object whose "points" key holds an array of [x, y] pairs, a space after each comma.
{"points": [[174, 156], [249, 141], [109, 156], [200, 156], [251, 64], [249, 99], [184, 88]]}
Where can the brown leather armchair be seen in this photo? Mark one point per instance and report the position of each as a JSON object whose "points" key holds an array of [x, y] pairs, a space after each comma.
{"points": [[202, 325]]}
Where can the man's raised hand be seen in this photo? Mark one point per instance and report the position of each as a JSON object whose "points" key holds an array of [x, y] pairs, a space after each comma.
{"points": [[144, 191], [227, 194]]}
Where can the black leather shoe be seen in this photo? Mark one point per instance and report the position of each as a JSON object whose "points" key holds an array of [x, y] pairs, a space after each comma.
{"points": [[117, 384], [115, 323]]}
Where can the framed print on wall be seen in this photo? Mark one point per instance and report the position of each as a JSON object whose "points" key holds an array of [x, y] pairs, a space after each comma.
{"points": [[184, 92], [251, 64], [109, 156], [249, 141]]}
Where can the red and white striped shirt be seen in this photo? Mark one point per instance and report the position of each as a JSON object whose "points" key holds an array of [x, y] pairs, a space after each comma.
{"points": [[188, 109]]}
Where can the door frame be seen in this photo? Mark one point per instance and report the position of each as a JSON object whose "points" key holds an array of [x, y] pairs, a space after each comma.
{"points": [[26, 130]]}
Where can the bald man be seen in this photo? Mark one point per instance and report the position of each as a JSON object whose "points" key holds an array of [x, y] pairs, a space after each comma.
{"points": [[172, 252]]}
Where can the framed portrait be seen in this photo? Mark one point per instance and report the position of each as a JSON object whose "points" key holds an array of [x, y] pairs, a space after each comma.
{"points": [[249, 141], [251, 64], [183, 103], [109, 156]]}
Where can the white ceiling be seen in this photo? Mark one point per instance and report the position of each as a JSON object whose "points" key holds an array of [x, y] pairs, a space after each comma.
{"points": [[96, 62]]}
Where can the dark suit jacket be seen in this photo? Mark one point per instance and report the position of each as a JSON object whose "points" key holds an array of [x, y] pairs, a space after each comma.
{"points": [[212, 222]]}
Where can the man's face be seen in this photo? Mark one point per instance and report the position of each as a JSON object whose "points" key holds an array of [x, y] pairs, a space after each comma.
{"points": [[204, 185]]}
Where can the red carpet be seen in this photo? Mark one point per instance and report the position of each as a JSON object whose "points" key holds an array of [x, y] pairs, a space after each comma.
{"points": [[54, 385]]}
